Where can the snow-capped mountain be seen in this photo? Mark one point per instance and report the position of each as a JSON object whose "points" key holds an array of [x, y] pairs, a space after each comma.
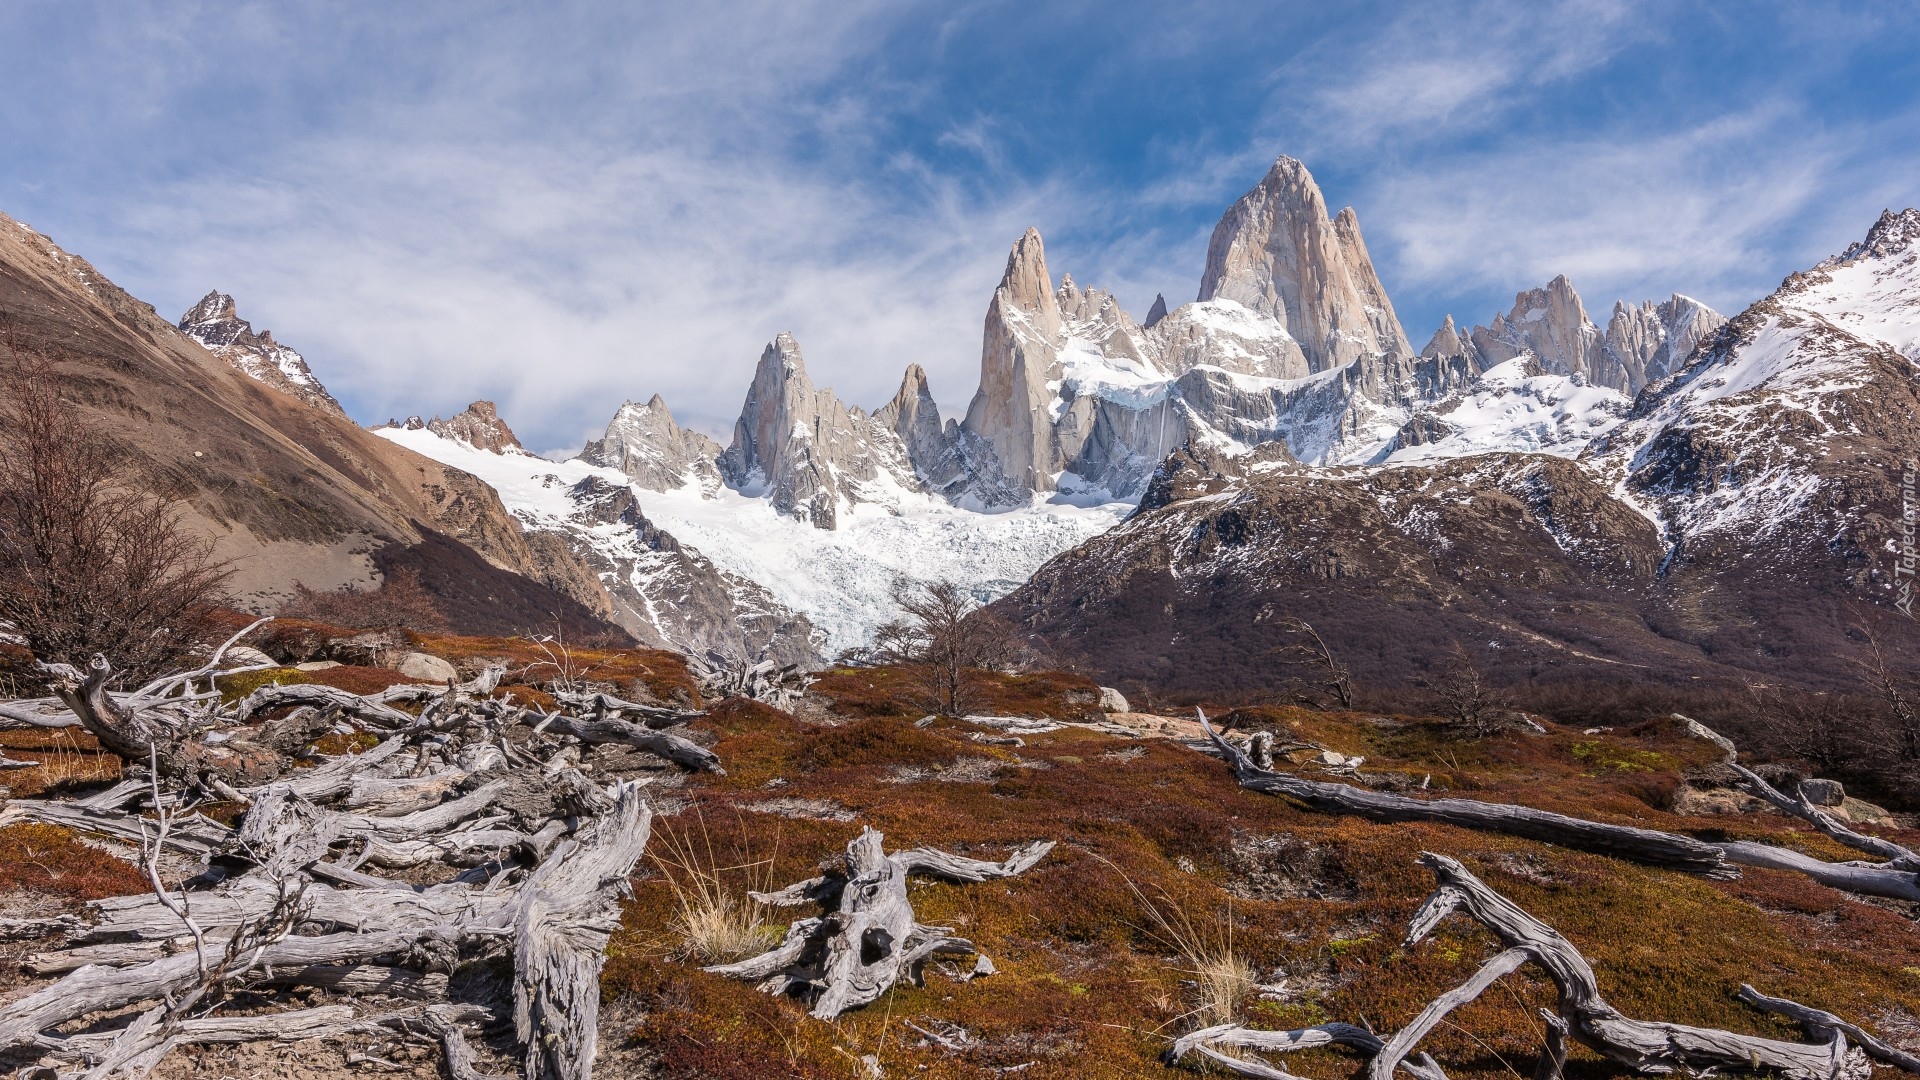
{"points": [[1735, 520], [216, 324], [1292, 344]]}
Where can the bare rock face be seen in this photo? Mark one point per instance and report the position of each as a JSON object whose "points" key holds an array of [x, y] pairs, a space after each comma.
{"points": [[1010, 411], [644, 442], [1157, 312], [1277, 252], [1552, 324], [933, 450], [1447, 341], [215, 323], [480, 427], [812, 454], [1651, 341]]}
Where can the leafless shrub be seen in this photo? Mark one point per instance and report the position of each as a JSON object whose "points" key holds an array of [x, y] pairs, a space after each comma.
{"points": [[88, 563], [1465, 695], [400, 601], [945, 639], [1310, 650]]}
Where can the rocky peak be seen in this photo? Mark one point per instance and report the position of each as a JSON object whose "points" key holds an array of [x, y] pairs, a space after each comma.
{"points": [[480, 427], [1157, 312], [1019, 356], [1447, 341], [913, 416], [1277, 252], [1552, 324], [1649, 341], [1889, 236], [215, 323], [803, 447], [655, 452]]}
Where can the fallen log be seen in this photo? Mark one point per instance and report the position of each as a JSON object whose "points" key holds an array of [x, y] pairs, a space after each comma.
{"points": [[1820, 1024], [1642, 1045], [1863, 878], [870, 938], [99, 989], [682, 752], [1582, 1014], [1646, 846], [364, 709]]}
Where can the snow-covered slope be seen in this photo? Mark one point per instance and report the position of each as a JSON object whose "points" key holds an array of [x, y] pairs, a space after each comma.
{"points": [[1511, 408], [774, 566]]}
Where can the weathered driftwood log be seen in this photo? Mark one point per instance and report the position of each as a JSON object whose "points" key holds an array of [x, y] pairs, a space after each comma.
{"points": [[1898, 857], [100, 989], [1582, 1014], [367, 710], [1868, 879], [869, 938], [682, 752], [1643, 1045], [561, 919], [195, 834], [1646, 846], [133, 733], [600, 706], [1211, 1044], [1820, 1024]]}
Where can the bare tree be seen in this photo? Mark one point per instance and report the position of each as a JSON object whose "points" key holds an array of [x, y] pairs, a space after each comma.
{"points": [[1464, 694], [88, 563], [946, 639], [1310, 650], [1896, 693]]}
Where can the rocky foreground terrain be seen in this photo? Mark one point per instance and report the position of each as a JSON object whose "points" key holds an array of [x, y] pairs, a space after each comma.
{"points": [[1099, 892]]}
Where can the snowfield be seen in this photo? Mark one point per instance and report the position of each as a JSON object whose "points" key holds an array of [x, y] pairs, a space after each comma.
{"points": [[842, 580]]}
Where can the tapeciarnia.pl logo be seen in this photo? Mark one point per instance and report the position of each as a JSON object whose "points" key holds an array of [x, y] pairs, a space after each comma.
{"points": [[1904, 567]]}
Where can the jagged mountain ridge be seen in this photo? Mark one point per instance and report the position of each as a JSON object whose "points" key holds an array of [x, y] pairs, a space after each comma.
{"points": [[1078, 404], [1734, 523]]}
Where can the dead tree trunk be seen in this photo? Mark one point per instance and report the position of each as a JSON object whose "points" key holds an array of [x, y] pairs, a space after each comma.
{"points": [[869, 938], [1582, 1013], [1645, 846]]}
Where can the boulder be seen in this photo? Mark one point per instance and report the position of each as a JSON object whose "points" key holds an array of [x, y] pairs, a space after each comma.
{"points": [[1112, 700], [425, 667], [318, 665], [1823, 792]]}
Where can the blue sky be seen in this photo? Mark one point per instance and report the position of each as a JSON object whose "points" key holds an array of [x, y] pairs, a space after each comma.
{"points": [[562, 206]]}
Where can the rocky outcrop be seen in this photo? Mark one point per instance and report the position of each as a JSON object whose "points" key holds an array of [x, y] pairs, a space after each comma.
{"points": [[1277, 252], [1642, 344], [804, 449], [1550, 323], [1650, 341], [1157, 312], [480, 427], [215, 323], [645, 443], [933, 450], [1012, 408]]}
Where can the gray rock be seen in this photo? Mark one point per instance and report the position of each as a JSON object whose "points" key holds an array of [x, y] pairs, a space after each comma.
{"points": [[1276, 251], [1823, 792], [426, 668], [244, 656], [318, 665], [1112, 700]]}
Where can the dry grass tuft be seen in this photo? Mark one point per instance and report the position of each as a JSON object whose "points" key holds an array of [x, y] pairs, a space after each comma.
{"points": [[1222, 979], [716, 921]]}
